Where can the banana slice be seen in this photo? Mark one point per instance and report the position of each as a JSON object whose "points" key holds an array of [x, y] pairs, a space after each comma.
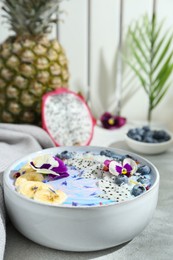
{"points": [[29, 188], [19, 181], [49, 195], [32, 176], [27, 168]]}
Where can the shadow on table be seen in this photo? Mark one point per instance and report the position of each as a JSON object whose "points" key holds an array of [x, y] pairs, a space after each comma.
{"points": [[19, 248], [120, 145]]}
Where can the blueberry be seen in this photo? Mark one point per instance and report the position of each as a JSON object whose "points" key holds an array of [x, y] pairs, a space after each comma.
{"points": [[143, 180], [146, 128], [141, 132], [161, 135], [136, 134], [145, 169], [132, 133], [137, 190], [121, 179], [129, 156], [106, 153], [145, 134], [65, 155], [148, 134], [112, 155], [167, 137], [148, 139], [137, 137]]}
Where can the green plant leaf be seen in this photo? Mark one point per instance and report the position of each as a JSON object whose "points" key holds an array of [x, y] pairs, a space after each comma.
{"points": [[160, 97], [164, 69], [138, 45], [162, 81], [159, 44], [142, 80], [164, 52], [152, 60], [157, 33], [143, 39], [147, 26], [138, 59]]}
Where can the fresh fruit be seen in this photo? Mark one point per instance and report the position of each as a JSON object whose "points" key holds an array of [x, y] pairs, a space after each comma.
{"points": [[144, 169], [121, 179], [111, 154], [29, 177], [67, 118], [19, 181], [50, 196], [138, 190], [30, 63], [145, 134], [27, 169], [113, 192], [29, 188], [143, 180], [65, 155], [41, 192]]}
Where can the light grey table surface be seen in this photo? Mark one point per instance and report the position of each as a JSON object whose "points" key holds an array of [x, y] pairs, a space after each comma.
{"points": [[154, 243]]}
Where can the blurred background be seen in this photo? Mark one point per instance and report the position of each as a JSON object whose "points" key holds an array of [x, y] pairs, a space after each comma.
{"points": [[89, 34]]}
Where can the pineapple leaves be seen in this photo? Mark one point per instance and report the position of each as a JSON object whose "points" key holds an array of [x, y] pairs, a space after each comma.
{"points": [[32, 17], [152, 61]]}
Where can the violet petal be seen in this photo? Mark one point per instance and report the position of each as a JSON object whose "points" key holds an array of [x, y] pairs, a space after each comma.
{"points": [[107, 162], [128, 167], [45, 166], [110, 121], [118, 169], [61, 168]]}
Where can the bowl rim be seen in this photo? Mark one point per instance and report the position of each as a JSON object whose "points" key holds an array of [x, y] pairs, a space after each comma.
{"points": [[151, 144], [81, 148]]}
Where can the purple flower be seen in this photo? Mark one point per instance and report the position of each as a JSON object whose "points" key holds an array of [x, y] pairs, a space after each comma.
{"points": [[128, 167], [62, 168], [125, 169], [112, 122], [48, 164]]}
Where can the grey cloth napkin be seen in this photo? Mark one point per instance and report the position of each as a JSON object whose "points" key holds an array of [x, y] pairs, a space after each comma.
{"points": [[17, 141]]}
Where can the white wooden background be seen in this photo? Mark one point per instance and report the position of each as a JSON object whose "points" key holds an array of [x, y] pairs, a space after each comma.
{"points": [[89, 35]]}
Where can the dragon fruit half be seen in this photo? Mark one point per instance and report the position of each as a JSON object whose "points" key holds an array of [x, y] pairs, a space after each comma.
{"points": [[67, 118]]}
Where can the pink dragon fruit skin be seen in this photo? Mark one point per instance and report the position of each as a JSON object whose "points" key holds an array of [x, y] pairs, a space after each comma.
{"points": [[67, 118]]}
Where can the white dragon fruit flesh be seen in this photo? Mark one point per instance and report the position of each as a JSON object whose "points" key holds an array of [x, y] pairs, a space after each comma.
{"points": [[67, 118]]}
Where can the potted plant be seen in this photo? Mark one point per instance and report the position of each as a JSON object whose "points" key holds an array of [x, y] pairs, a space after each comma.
{"points": [[152, 58]]}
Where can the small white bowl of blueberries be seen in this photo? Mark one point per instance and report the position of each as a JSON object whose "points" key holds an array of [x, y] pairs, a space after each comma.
{"points": [[148, 140]]}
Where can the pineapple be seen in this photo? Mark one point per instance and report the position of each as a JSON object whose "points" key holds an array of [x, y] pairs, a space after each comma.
{"points": [[30, 63]]}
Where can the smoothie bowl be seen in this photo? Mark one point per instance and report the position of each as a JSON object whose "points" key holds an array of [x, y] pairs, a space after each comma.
{"points": [[81, 198]]}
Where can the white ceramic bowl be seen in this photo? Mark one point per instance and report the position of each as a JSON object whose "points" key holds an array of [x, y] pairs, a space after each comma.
{"points": [[148, 148], [80, 228]]}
